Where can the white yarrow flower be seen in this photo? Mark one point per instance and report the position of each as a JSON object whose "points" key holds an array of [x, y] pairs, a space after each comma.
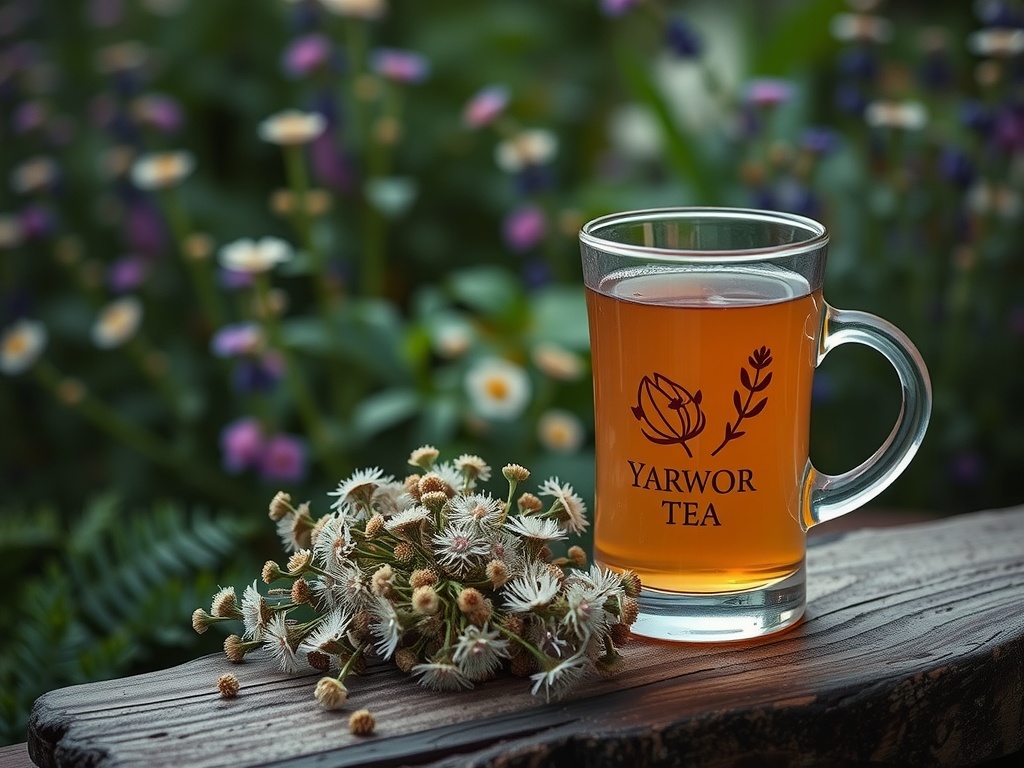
{"points": [[117, 323], [479, 651], [21, 346], [561, 677], [535, 588], [386, 627], [331, 630], [568, 505], [441, 676], [276, 641], [357, 490], [479, 511], [536, 528], [458, 548], [255, 256], [254, 613]]}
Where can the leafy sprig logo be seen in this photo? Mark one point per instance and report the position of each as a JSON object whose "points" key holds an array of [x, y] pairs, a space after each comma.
{"points": [[670, 415]]}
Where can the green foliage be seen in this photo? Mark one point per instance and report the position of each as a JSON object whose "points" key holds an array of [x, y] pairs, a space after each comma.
{"points": [[105, 595]]}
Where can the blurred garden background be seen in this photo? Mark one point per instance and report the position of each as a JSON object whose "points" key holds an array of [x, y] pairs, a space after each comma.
{"points": [[252, 245]]}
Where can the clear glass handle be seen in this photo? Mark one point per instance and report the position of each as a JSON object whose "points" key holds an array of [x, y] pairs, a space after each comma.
{"points": [[826, 497]]}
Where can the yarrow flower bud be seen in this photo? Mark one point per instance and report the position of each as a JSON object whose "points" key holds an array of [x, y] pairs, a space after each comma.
{"points": [[271, 572], [404, 552], [630, 583], [374, 526], [619, 633], [225, 604], [424, 457], [515, 473], [362, 723], [280, 505], [431, 482], [528, 503], [424, 600], [200, 620], [474, 605], [412, 486], [382, 579], [318, 660], [406, 659], [578, 555], [434, 500], [234, 648], [299, 561], [228, 686], [497, 573], [330, 693], [423, 577], [302, 593]]}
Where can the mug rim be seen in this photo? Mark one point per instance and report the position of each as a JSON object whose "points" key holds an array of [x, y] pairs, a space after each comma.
{"points": [[818, 238]]}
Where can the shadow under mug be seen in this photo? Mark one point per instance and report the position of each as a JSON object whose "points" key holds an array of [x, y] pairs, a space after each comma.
{"points": [[706, 326]]}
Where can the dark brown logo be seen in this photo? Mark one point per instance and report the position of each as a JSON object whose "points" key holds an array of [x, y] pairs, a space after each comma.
{"points": [[670, 415]]}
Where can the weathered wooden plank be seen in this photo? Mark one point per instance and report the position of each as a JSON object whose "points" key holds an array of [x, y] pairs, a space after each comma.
{"points": [[15, 756], [912, 653]]}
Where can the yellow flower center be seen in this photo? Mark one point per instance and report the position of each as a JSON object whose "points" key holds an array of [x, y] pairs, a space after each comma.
{"points": [[497, 388]]}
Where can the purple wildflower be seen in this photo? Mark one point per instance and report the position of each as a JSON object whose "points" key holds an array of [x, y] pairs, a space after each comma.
{"points": [[29, 116], [306, 54], [241, 444], [330, 165], [617, 7], [144, 228], [237, 339], [485, 106], [160, 111], [768, 92], [524, 228], [399, 65], [284, 459], [37, 221], [127, 274], [819, 141]]}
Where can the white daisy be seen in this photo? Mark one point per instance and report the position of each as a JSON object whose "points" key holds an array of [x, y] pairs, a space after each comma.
{"points": [[557, 362], [535, 588], [527, 148], [560, 431], [21, 346], [276, 641], [458, 548], [386, 628], [441, 676], [560, 677], [536, 528], [603, 583], [498, 389], [479, 651], [160, 170], [117, 322], [568, 506], [292, 127], [255, 256], [998, 42]]}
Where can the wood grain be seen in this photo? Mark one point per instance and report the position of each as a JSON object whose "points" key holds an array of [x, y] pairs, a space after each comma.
{"points": [[912, 653]]}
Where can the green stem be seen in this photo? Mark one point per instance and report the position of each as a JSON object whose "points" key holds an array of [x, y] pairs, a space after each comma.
{"points": [[344, 671], [110, 421], [200, 274], [304, 403]]}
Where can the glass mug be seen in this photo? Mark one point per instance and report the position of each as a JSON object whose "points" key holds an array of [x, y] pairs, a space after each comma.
{"points": [[706, 325]]}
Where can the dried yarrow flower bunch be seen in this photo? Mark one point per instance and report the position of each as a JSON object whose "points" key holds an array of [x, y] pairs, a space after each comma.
{"points": [[453, 584]]}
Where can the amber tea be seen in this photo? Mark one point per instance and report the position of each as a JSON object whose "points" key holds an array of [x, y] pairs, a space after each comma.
{"points": [[702, 382], [706, 326]]}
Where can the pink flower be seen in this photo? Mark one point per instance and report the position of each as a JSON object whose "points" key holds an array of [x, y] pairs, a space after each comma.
{"points": [[306, 54], [400, 66], [486, 106], [284, 459], [768, 92], [242, 445], [524, 228]]}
